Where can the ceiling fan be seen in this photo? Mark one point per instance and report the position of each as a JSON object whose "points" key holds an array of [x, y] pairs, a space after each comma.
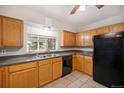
{"points": [[76, 7]]}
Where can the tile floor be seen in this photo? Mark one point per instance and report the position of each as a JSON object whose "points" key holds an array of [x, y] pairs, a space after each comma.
{"points": [[74, 80]]}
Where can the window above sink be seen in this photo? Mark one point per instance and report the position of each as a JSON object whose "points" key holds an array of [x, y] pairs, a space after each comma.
{"points": [[39, 43]]}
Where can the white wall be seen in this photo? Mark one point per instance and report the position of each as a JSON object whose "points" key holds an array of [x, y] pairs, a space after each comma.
{"points": [[28, 14], [109, 21], [32, 20], [112, 20]]}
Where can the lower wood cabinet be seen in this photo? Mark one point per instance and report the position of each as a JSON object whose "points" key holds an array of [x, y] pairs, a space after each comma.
{"points": [[45, 73], [57, 68], [74, 62], [1, 78], [30, 75], [24, 79], [78, 62], [83, 63], [88, 65]]}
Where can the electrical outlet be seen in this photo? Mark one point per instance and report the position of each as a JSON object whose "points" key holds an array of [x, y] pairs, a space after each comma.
{"points": [[3, 52]]}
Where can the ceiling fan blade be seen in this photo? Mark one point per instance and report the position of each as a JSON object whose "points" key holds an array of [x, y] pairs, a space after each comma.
{"points": [[75, 8], [99, 6]]}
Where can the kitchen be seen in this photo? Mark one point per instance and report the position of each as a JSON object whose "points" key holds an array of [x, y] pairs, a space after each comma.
{"points": [[37, 49]]}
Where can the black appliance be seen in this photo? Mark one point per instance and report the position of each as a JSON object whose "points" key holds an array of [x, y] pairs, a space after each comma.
{"points": [[67, 65], [108, 64]]}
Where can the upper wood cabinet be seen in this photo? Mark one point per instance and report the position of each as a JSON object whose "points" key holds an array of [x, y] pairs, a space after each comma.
{"points": [[88, 37], [88, 65], [117, 27], [102, 30], [11, 32], [80, 39], [68, 39]]}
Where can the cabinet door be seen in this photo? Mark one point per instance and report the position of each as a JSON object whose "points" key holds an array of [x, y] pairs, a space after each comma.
{"points": [[80, 39], [24, 79], [77, 39], [68, 38], [1, 79], [74, 62], [88, 65], [73, 39], [117, 27], [102, 30], [0, 31], [89, 37], [80, 63], [57, 70], [12, 32], [45, 74]]}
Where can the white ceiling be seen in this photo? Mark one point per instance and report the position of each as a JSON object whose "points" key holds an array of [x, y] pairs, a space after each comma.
{"points": [[90, 15]]}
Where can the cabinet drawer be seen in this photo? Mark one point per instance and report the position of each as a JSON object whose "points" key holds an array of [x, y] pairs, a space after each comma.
{"points": [[58, 59], [45, 62], [19, 67]]}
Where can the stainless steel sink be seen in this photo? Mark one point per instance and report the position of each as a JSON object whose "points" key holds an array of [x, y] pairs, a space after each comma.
{"points": [[45, 56]]}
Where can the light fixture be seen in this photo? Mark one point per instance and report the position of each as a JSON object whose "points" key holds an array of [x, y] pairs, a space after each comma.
{"points": [[82, 8], [46, 28]]}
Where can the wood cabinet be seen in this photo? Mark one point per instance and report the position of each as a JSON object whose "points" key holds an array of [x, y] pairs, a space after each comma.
{"points": [[29, 75], [80, 39], [57, 68], [68, 39], [83, 63], [0, 31], [78, 62], [74, 62], [45, 71], [88, 65], [11, 31], [117, 27], [23, 75], [23, 79], [102, 30], [1, 77], [88, 37]]}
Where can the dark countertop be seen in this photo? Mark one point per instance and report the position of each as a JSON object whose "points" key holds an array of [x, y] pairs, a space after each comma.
{"points": [[11, 60]]}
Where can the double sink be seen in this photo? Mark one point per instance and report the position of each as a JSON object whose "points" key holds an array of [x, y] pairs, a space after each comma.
{"points": [[45, 56]]}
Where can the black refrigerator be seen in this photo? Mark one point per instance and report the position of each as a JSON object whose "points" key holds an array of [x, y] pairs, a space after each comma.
{"points": [[108, 64]]}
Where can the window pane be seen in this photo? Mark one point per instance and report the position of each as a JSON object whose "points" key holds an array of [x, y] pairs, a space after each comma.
{"points": [[32, 44], [51, 43], [37, 43], [43, 44]]}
